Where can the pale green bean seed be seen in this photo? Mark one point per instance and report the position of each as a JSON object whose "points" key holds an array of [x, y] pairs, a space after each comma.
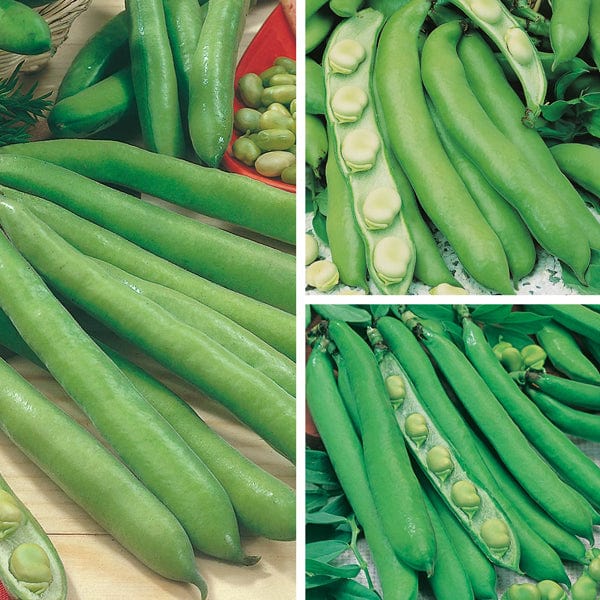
{"points": [[266, 75], [594, 569], [522, 591], [277, 106], [394, 384], [533, 356], [275, 139], [381, 207], [512, 360], [273, 119], [585, 588], [247, 119], [293, 107], [446, 289], [494, 532], [489, 11], [312, 249], [464, 495], [250, 88], [348, 103], [439, 461], [519, 46], [30, 566], [416, 428], [272, 164], [499, 348], [282, 79], [550, 590], [322, 275], [391, 257], [359, 149], [245, 150], [289, 64], [288, 175], [278, 93], [11, 516], [345, 56]]}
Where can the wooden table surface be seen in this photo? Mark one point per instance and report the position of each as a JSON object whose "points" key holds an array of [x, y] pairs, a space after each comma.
{"points": [[97, 567]]}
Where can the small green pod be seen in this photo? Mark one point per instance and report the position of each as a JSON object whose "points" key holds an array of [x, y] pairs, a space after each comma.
{"points": [[250, 89]]}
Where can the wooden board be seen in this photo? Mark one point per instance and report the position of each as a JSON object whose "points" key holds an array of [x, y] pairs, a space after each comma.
{"points": [[97, 567]]}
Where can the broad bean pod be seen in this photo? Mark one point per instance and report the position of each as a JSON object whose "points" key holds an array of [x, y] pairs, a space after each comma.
{"points": [[594, 31], [575, 317], [239, 264], [226, 196], [576, 394], [274, 326], [22, 29], [569, 29], [254, 398], [345, 452]]}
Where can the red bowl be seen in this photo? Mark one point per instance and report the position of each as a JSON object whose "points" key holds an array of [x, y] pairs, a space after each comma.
{"points": [[275, 38]]}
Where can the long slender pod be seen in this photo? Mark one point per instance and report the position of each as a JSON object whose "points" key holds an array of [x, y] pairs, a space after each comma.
{"points": [[22, 29], [234, 262], [449, 206], [569, 29], [93, 478], [594, 31], [575, 317], [253, 397], [233, 198], [210, 115], [361, 153], [274, 326], [496, 156], [504, 107], [345, 452], [577, 469], [395, 487], [557, 498]]}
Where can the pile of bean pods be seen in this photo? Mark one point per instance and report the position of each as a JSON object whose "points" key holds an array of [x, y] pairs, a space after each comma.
{"points": [[457, 440], [416, 141], [86, 269]]}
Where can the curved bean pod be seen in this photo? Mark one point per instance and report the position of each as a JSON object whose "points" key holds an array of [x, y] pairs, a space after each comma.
{"points": [[22, 29], [576, 394], [575, 317], [395, 488], [274, 326], [49, 437], [226, 196], [549, 491], [569, 28], [594, 31], [449, 206], [116, 408], [345, 452], [497, 157], [254, 398], [211, 78], [239, 264]]}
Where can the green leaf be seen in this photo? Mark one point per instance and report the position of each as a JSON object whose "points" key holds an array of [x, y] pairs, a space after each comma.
{"points": [[442, 312], [566, 80], [495, 334], [319, 227], [350, 589], [324, 518], [342, 312], [525, 322], [491, 313], [325, 551], [379, 310], [555, 110]]}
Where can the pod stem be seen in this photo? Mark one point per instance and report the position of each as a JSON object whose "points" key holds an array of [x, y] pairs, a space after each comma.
{"points": [[462, 311]]}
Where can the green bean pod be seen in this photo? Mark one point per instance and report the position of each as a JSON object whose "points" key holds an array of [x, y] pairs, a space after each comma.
{"points": [[184, 20], [318, 26], [594, 31], [154, 78], [22, 29], [234, 262], [19, 527], [254, 398], [347, 393], [501, 216], [479, 570], [585, 396], [469, 502], [377, 203], [504, 107], [251, 349], [345, 242], [578, 470], [345, 8], [80, 465], [211, 77], [95, 108], [395, 489], [102, 54], [500, 160], [575, 317], [492, 17], [422, 374], [541, 482], [345, 452], [272, 325], [569, 29], [566, 356], [317, 142], [226, 196], [315, 87], [575, 422], [449, 206]]}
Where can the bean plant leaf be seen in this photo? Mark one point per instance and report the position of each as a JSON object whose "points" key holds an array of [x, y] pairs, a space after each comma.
{"points": [[319, 227], [442, 312], [349, 589], [326, 551], [379, 310], [342, 312]]}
